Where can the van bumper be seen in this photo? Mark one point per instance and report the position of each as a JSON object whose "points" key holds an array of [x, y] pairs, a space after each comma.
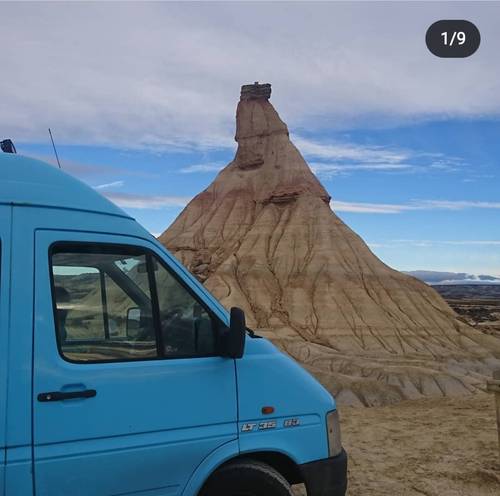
{"points": [[326, 477]]}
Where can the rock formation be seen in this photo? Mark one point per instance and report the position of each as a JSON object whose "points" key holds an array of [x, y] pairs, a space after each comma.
{"points": [[263, 237]]}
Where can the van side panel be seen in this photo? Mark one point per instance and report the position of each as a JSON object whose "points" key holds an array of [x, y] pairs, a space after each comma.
{"points": [[20, 336], [5, 214], [18, 477]]}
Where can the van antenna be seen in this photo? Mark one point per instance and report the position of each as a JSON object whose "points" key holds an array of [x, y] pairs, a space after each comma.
{"points": [[55, 151]]}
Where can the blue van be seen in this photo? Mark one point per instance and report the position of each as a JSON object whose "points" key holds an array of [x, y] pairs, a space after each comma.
{"points": [[121, 375]]}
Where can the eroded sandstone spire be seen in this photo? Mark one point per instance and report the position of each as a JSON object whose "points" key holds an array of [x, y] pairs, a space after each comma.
{"points": [[263, 237]]}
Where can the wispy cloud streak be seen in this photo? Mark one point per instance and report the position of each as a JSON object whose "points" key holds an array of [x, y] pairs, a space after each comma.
{"points": [[129, 200], [329, 159], [367, 208], [397, 208], [325, 169], [349, 151], [208, 167], [460, 242], [114, 184]]}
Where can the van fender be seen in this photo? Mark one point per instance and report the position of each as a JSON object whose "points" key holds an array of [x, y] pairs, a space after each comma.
{"points": [[208, 466]]}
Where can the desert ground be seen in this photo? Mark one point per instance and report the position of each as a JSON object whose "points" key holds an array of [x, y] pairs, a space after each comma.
{"points": [[431, 447]]}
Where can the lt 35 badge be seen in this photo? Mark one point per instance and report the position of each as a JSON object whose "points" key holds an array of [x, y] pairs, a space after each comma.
{"points": [[268, 424]]}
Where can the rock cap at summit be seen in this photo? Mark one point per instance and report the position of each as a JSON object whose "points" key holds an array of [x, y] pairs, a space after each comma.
{"points": [[255, 91]]}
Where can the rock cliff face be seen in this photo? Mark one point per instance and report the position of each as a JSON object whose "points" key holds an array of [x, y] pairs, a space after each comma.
{"points": [[263, 237]]}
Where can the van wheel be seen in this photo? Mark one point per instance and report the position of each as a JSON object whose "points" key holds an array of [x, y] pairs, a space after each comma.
{"points": [[247, 478]]}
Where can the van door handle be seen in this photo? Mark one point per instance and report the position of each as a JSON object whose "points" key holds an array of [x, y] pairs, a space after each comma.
{"points": [[59, 396]]}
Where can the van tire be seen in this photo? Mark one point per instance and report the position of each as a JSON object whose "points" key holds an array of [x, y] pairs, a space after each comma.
{"points": [[247, 478]]}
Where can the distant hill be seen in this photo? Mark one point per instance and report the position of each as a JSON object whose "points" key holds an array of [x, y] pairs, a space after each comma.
{"points": [[468, 291], [477, 304], [436, 277]]}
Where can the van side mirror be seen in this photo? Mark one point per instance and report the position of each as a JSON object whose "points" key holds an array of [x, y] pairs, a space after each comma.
{"points": [[233, 339]]}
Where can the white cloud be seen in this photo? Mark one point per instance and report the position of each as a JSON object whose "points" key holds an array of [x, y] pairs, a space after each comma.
{"points": [[378, 245], [114, 184], [354, 157], [397, 208], [163, 74], [129, 200], [349, 151], [208, 167], [367, 208], [464, 242], [330, 169], [474, 242], [455, 205]]}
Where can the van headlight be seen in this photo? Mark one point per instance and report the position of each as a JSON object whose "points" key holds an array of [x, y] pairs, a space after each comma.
{"points": [[333, 429]]}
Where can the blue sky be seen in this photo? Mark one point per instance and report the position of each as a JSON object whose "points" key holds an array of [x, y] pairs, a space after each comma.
{"points": [[143, 110]]}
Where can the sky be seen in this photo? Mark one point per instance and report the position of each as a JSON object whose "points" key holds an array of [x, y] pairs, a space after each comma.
{"points": [[141, 100]]}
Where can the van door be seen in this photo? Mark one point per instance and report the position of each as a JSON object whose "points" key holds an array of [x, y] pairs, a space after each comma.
{"points": [[129, 393], [5, 219]]}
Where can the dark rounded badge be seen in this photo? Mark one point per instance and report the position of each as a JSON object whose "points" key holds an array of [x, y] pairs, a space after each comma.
{"points": [[454, 38]]}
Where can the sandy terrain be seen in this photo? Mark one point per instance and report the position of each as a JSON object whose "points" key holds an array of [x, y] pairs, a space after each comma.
{"points": [[445, 447]]}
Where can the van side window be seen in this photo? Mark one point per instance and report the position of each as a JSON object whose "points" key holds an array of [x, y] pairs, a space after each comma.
{"points": [[116, 303], [103, 307], [187, 328]]}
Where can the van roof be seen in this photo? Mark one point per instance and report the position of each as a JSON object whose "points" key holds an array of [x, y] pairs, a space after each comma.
{"points": [[27, 181]]}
